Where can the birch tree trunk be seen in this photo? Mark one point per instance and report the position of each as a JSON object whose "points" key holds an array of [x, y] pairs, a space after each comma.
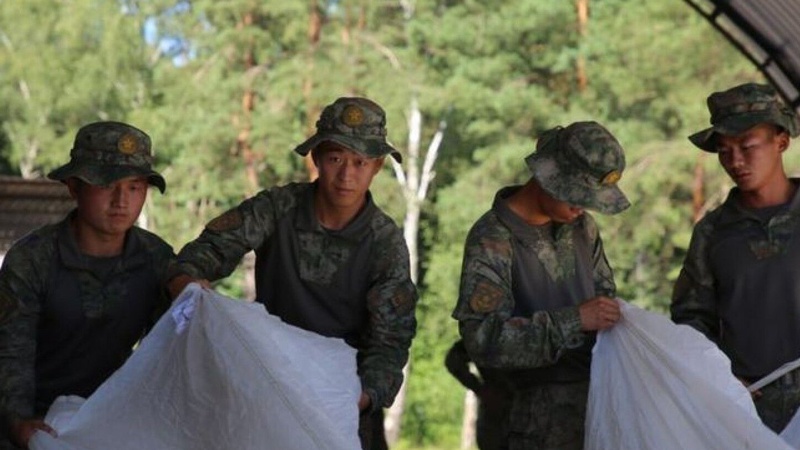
{"points": [[28, 162], [468, 435], [414, 182]]}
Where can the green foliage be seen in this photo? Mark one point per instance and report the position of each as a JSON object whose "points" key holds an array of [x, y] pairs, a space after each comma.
{"points": [[63, 64], [649, 239]]}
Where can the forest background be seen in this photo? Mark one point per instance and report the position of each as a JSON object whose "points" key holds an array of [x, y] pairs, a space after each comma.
{"points": [[227, 88]]}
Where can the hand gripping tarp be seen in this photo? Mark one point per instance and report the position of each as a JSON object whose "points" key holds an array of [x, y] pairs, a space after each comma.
{"points": [[216, 373], [657, 385]]}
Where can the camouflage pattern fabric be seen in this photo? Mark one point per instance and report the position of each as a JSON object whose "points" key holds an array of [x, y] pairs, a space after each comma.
{"points": [[581, 165], [497, 338], [779, 402], [356, 123], [486, 299], [105, 152], [549, 417], [738, 279], [486, 304], [72, 329], [311, 271], [742, 107]]}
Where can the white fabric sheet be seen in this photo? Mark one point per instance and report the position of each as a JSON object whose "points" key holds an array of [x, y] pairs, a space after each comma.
{"points": [[791, 433], [218, 374], [657, 385]]}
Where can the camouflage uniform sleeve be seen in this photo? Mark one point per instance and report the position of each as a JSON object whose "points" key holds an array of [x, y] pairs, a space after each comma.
{"points": [[491, 335], [21, 284], [391, 303], [603, 274], [694, 296], [226, 239]]}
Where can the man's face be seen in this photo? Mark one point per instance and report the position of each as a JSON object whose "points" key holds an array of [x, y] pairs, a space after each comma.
{"points": [[109, 211], [344, 175], [753, 159]]}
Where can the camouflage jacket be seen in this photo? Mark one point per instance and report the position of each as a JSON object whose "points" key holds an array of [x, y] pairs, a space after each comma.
{"points": [[75, 318], [740, 279], [521, 286], [352, 283]]}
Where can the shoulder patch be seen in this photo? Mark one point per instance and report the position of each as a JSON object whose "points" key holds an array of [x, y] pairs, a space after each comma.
{"points": [[404, 302], [486, 298], [230, 220]]}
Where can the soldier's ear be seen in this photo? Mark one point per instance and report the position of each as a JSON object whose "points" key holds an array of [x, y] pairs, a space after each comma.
{"points": [[783, 140]]}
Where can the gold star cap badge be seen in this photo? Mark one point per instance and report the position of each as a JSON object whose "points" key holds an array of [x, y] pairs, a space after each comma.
{"points": [[353, 116], [128, 144]]}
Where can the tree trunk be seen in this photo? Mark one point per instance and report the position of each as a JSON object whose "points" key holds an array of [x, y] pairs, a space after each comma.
{"points": [[315, 22], [249, 283], [414, 181], [468, 435], [243, 120], [394, 415], [698, 190], [582, 9], [27, 163]]}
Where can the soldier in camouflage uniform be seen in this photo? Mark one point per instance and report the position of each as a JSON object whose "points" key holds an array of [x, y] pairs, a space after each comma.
{"points": [[327, 258], [536, 284], [739, 283], [80, 293]]}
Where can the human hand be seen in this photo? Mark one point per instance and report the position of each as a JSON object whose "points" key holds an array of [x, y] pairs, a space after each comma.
{"points": [[176, 285], [23, 429], [755, 394], [364, 402], [599, 313]]}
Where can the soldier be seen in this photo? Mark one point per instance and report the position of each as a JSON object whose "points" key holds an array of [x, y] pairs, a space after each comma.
{"points": [[82, 291], [536, 285], [739, 281], [327, 258]]}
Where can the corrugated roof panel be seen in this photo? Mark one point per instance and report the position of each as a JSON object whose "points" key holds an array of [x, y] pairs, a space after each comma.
{"points": [[767, 31]]}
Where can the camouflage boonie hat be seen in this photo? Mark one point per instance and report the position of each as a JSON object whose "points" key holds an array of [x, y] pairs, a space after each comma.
{"points": [[580, 165], [356, 123], [742, 107], [104, 152]]}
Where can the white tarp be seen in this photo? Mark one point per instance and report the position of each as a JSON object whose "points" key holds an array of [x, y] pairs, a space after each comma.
{"points": [[791, 433], [657, 385], [216, 373]]}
